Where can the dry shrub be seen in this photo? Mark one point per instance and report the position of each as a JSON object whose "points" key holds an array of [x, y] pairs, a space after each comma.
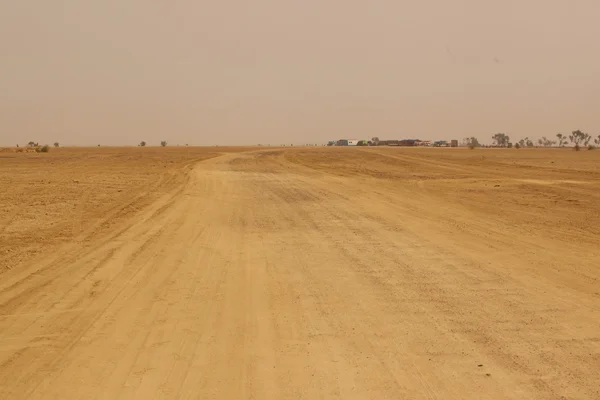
{"points": [[43, 149]]}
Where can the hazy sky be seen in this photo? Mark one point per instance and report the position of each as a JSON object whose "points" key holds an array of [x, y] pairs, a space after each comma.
{"points": [[293, 71]]}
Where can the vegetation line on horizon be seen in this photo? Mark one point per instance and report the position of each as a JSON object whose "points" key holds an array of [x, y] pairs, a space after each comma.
{"points": [[577, 138]]}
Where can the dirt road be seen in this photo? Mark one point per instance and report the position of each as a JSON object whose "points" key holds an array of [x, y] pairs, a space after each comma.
{"points": [[277, 275]]}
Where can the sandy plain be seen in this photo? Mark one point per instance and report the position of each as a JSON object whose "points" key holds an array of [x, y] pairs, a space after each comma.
{"points": [[300, 273]]}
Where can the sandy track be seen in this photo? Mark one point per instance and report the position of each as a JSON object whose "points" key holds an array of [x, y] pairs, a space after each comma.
{"points": [[263, 277], [72, 194]]}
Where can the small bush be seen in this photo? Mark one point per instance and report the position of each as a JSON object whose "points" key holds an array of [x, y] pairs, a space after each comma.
{"points": [[517, 146], [591, 147], [45, 149], [577, 148]]}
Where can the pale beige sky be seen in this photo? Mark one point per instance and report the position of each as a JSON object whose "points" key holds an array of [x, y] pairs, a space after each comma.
{"points": [[280, 71]]}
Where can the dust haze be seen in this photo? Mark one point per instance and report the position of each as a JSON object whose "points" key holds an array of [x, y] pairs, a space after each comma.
{"points": [[267, 71]]}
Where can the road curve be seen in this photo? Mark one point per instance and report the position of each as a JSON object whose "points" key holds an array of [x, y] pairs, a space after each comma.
{"points": [[264, 279]]}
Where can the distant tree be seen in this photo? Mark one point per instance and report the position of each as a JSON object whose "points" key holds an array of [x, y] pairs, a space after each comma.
{"points": [[501, 139], [578, 137], [32, 144], [163, 143], [526, 142], [375, 141], [142, 144], [56, 144], [562, 140], [471, 142], [597, 140], [517, 146], [544, 141]]}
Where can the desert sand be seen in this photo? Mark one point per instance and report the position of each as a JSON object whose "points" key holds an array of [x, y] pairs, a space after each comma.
{"points": [[300, 273]]}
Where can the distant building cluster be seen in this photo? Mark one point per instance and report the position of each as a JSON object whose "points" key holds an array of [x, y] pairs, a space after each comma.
{"points": [[402, 142]]}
